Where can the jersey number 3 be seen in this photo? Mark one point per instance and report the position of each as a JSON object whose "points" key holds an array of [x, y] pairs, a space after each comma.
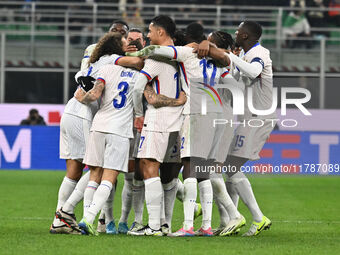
{"points": [[124, 89]]}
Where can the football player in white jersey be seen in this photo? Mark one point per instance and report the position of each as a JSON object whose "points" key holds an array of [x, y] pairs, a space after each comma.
{"points": [[72, 142], [228, 225], [74, 129], [74, 135], [133, 189], [135, 41], [107, 152], [194, 69], [253, 67], [159, 127]]}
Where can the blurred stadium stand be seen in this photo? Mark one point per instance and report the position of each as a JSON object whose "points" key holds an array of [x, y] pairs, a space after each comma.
{"points": [[42, 42]]}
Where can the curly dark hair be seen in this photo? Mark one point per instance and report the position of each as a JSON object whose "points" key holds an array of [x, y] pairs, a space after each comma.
{"points": [[110, 43], [223, 40]]}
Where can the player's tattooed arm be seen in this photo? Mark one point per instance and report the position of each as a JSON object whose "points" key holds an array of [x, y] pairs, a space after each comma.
{"points": [[159, 100], [92, 95]]}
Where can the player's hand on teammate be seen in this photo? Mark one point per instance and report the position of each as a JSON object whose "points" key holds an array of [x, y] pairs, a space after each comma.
{"points": [[236, 51], [182, 98], [202, 49], [139, 122], [131, 48], [79, 94], [192, 45], [147, 51]]}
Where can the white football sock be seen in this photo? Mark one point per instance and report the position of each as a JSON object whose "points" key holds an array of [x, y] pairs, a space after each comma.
{"points": [[220, 191], [99, 198], [88, 195], [232, 192], [138, 197], [180, 194], [206, 197], [163, 221], [77, 194], [126, 197], [189, 202], [153, 198], [180, 190], [108, 206], [243, 188], [170, 190], [224, 217], [66, 188]]}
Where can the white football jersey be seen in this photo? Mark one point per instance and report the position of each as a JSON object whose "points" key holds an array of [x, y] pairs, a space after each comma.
{"points": [[164, 79], [224, 93], [76, 108], [87, 55], [200, 77], [262, 85], [115, 114]]}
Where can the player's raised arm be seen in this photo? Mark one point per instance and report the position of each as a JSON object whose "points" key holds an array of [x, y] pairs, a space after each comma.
{"points": [[93, 94], [209, 49], [155, 50], [251, 70], [131, 62], [220, 56], [159, 100]]}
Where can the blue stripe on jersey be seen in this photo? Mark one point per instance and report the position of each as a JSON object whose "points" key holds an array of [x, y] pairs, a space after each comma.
{"points": [[148, 76], [89, 71], [86, 56], [177, 85], [259, 60], [157, 85], [175, 54]]}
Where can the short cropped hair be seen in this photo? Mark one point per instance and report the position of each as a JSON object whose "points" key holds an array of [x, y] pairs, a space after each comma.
{"points": [[166, 23], [253, 28]]}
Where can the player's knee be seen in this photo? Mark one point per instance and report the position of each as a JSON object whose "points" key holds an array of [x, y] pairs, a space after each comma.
{"points": [[131, 166], [74, 169]]}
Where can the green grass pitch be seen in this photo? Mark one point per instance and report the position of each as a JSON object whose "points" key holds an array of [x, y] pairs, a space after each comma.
{"points": [[305, 211]]}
